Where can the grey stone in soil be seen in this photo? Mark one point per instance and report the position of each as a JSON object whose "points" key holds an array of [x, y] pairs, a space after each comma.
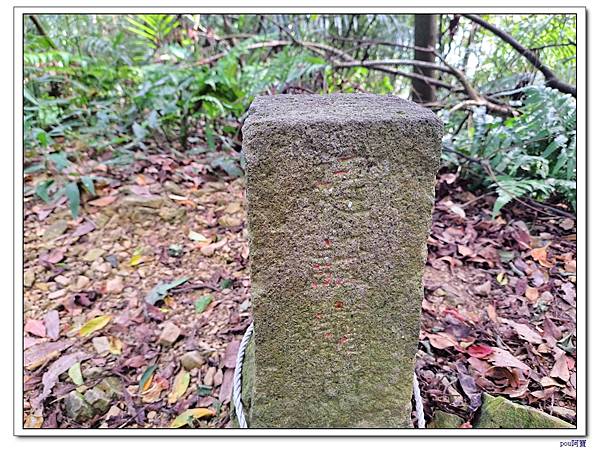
{"points": [[55, 230], [77, 408], [98, 399], [340, 191], [111, 386], [169, 334], [191, 360]]}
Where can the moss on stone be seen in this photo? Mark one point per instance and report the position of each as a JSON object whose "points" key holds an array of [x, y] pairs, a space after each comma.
{"points": [[442, 419], [340, 198], [498, 412]]}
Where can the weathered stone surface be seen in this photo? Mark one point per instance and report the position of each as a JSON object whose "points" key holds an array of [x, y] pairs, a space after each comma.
{"points": [[498, 412], [101, 345], [442, 419], [77, 408], [142, 201], [55, 230], [169, 335], [340, 192], [98, 399], [191, 360], [112, 386], [28, 278]]}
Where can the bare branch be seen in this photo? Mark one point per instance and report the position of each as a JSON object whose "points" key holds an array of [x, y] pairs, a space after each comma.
{"points": [[551, 79], [397, 62]]}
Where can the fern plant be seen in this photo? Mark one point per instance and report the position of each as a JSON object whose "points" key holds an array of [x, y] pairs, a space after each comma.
{"points": [[530, 155]]}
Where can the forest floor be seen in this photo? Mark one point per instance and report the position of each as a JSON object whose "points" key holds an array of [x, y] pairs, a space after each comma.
{"points": [[153, 276]]}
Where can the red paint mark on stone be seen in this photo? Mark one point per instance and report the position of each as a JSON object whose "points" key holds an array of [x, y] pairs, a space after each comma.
{"points": [[328, 335], [341, 172], [343, 340], [316, 266], [327, 243], [339, 304], [313, 285], [318, 316]]}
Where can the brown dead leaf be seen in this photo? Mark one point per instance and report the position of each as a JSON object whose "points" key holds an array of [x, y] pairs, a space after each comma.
{"points": [[524, 332], [152, 395], [103, 201], [491, 312], [532, 293], [40, 354], [502, 358], [465, 251], [52, 322], [561, 369], [57, 368], [35, 327], [441, 340], [230, 356]]}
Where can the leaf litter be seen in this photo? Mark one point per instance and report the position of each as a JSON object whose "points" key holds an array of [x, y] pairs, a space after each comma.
{"points": [[498, 311]]}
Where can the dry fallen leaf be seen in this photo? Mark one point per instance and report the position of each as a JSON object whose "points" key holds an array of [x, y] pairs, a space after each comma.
{"points": [[35, 327], [60, 366], [502, 358], [186, 417], [152, 395], [524, 332], [39, 354], [441, 340], [95, 324], [103, 201], [180, 385], [532, 293], [561, 369]]}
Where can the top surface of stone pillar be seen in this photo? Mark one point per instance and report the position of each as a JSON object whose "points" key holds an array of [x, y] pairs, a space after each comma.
{"points": [[340, 192]]}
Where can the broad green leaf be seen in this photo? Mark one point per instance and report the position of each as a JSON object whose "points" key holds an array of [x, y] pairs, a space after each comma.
{"points": [[187, 417], [204, 390], [180, 385], [161, 290], [72, 192], [202, 303], [42, 190], [88, 184], [75, 374], [139, 131], [60, 160], [34, 168], [95, 324]]}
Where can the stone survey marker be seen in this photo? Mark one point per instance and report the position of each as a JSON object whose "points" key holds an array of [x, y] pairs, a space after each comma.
{"points": [[340, 192]]}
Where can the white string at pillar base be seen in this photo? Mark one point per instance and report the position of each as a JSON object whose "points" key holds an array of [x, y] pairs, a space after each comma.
{"points": [[237, 386]]}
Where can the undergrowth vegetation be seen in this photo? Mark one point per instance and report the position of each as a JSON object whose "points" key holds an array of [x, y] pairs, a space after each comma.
{"points": [[115, 88]]}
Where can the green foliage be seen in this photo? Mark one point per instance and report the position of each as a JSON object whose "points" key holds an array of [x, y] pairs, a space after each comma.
{"points": [[125, 84], [533, 154], [61, 180]]}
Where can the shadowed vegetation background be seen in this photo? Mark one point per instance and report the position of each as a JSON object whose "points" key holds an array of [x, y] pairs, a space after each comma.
{"points": [[116, 88]]}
